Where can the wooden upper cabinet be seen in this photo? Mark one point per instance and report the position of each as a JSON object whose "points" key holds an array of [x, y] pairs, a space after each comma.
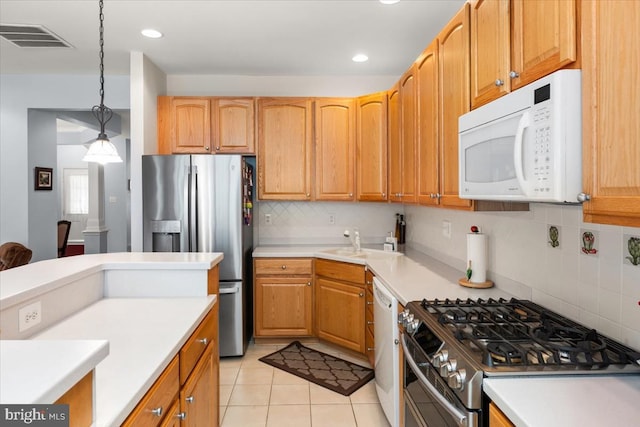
{"points": [[234, 124], [395, 149], [284, 148], [515, 42], [611, 129], [428, 140], [408, 134], [184, 125], [371, 148], [543, 38], [453, 57], [335, 149], [490, 50], [203, 125]]}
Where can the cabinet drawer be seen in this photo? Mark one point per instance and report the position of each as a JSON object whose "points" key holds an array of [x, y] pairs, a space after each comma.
{"points": [[340, 270], [155, 404], [196, 345], [284, 266]]}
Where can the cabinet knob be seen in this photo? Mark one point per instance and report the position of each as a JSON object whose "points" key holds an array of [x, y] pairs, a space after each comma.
{"points": [[369, 302], [370, 349], [189, 399], [308, 194], [206, 148], [384, 194], [182, 415], [204, 341], [308, 283], [157, 411], [369, 322], [584, 197], [499, 82], [514, 74], [361, 294], [218, 148], [284, 267], [350, 194]]}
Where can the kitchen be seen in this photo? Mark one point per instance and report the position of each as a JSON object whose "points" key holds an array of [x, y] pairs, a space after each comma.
{"points": [[599, 291]]}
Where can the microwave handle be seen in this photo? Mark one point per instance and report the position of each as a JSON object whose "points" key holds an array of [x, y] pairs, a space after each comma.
{"points": [[525, 122]]}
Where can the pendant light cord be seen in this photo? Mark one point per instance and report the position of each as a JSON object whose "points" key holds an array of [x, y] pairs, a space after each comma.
{"points": [[102, 112]]}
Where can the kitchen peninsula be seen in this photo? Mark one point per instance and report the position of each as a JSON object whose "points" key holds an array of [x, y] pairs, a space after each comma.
{"points": [[128, 318]]}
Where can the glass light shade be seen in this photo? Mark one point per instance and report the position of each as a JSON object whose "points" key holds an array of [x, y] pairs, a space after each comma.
{"points": [[102, 151]]}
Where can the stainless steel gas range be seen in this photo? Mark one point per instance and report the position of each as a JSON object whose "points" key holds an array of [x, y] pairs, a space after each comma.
{"points": [[451, 345]]}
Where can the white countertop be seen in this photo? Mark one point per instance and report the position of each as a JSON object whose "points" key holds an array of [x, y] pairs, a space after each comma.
{"points": [[144, 335], [26, 379], [22, 283], [580, 401]]}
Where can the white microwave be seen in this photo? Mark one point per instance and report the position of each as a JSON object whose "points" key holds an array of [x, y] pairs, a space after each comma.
{"points": [[525, 146]]}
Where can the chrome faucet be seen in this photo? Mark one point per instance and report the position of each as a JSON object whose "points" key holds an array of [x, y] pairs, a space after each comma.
{"points": [[355, 240]]}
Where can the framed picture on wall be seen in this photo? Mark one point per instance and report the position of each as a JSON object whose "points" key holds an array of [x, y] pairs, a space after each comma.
{"points": [[44, 178]]}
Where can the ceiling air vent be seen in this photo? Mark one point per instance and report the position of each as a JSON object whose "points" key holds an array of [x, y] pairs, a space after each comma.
{"points": [[31, 36]]}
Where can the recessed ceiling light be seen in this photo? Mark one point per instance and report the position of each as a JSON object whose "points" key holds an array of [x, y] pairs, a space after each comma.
{"points": [[389, 1], [361, 57], [151, 33]]}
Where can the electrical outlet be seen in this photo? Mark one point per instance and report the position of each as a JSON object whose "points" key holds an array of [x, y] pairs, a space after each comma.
{"points": [[267, 219], [446, 229], [332, 219], [29, 316]]}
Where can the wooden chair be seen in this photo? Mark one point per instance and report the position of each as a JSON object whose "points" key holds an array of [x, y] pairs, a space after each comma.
{"points": [[14, 254], [63, 237]]}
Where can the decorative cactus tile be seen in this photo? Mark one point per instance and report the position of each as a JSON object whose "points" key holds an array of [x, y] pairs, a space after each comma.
{"points": [[589, 242], [553, 236], [631, 249]]}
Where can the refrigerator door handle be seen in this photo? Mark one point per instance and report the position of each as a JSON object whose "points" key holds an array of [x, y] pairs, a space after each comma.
{"points": [[193, 209]]}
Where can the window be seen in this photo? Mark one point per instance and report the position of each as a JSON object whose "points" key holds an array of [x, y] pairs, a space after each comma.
{"points": [[76, 191]]}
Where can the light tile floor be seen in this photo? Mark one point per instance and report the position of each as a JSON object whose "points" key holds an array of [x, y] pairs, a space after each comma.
{"points": [[253, 393]]}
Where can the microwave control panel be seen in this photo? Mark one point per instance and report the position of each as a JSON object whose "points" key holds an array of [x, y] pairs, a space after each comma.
{"points": [[543, 151]]}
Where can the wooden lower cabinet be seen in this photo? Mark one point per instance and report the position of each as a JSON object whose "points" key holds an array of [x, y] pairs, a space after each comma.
{"points": [[340, 304], [199, 396], [497, 418], [369, 341], [283, 300], [80, 401], [196, 402]]}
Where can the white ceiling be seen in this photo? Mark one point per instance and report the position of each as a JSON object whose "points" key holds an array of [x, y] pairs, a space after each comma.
{"points": [[238, 37]]}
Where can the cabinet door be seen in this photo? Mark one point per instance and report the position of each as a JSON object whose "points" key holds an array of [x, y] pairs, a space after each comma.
{"points": [[408, 134], [284, 149], [395, 150], [234, 123], [335, 134], [490, 50], [191, 125], [497, 418], [428, 141], [543, 38], [611, 152], [340, 313], [369, 340], [197, 398], [283, 306], [371, 148], [453, 49]]}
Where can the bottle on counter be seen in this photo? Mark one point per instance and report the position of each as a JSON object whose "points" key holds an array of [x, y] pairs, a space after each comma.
{"points": [[402, 230], [397, 234]]}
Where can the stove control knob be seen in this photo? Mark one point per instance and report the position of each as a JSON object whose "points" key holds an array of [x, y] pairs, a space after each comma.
{"points": [[439, 358], [456, 379], [402, 317], [448, 367], [412, 325]]}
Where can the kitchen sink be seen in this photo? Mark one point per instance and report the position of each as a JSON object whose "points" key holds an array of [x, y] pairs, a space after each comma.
{"points": [[362, 253]]}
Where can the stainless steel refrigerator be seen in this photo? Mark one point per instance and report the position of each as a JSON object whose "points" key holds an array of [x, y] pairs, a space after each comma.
{"points": [[203, 203]]}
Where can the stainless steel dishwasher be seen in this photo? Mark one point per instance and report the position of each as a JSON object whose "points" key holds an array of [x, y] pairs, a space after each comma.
{"points": [[387, 351]]}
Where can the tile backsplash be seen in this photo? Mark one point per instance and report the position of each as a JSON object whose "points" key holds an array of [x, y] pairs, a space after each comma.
{"points": [[600, 290]]}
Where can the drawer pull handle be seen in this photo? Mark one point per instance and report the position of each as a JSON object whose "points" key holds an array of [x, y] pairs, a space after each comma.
{"points": [[157, 411], [369, 302], [204, 341], [182, 415], [189, 399], [284, 267]]}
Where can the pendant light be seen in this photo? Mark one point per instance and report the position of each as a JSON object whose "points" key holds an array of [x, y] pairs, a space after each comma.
{"points": [[102, 150]]}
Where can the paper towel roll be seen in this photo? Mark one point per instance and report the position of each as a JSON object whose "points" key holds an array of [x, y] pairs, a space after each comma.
{"points": [[477, 255]]}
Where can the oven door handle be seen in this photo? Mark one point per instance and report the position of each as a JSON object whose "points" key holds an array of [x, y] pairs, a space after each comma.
{"points": [[452, 410]]}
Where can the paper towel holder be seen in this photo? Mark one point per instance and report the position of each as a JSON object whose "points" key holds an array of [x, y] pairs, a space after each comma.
{"points": [[466, 281]]}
